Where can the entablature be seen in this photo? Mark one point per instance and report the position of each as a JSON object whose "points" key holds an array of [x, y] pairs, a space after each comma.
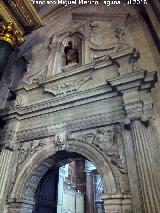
{"points": [[83, 93]]}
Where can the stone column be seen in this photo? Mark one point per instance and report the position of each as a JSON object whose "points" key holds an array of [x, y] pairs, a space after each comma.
{"points": [[99, 206], [145, 149], [5, 158], [89, 192]]}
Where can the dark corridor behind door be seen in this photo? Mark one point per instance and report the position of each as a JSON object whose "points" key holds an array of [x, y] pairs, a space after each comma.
{"points": [[46, 194]]}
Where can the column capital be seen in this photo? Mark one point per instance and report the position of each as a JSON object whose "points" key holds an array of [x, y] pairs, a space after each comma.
{"points": [[127, 123], [10, 34], [144, 119]]}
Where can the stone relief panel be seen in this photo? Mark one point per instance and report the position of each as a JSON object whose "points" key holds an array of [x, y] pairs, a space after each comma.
{"points": [[108, 32], [39, 62], [100, 34], [109, 141], [104, 34], [29, 148], [21, 98], [67, 86]]}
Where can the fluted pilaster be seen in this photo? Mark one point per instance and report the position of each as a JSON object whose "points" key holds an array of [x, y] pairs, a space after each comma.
{"points": [[8, 162], [145, 146], [132, 172], [5, 158]]}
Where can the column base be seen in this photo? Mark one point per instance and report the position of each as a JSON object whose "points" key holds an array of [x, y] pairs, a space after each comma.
{"points": [[20, 206], [117, 203], [99, 206], [2, 206]]}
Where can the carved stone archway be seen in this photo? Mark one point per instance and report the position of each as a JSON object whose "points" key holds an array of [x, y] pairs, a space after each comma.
{"points": [[26, 183]]}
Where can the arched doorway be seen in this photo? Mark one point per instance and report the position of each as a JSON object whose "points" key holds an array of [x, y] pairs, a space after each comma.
{"points": [[72, 185], [22, 198]]}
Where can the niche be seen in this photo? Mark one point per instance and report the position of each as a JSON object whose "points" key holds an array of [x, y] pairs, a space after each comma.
{"points": [[72, 52]]}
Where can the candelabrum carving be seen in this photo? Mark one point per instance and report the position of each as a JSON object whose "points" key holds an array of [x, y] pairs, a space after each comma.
{"points": [[10, 34]]}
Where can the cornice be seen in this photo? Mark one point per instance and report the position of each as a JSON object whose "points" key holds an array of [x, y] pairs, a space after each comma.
{"points": [[26, 12], [139, 80], [60, 103], [8, 16], [22, 13]]}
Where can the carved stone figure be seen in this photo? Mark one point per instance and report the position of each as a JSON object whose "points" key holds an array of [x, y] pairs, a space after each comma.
{"points": [[120, 34], [52, 50], [109, 142], [71, 54], [60, 139], [40, 63], [27, 149], [114, 156], [117, 135]]}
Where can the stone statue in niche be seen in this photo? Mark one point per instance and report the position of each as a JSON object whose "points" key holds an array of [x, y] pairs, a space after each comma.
{"points": [[71, 54]]}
